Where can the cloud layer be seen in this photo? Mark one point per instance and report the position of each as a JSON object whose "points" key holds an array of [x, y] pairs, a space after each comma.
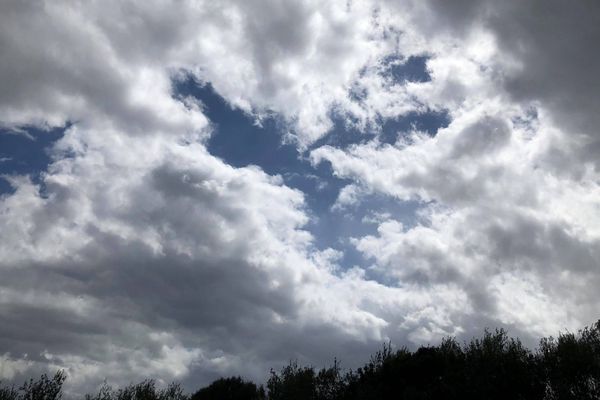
{"points": [[140, 254]]}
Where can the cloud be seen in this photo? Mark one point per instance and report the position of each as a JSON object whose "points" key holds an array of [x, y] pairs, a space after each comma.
{"points": [[172, 264], [541, 53], [139, 254], [298, 60], [503, 210], [488, 213], [60, 66]]}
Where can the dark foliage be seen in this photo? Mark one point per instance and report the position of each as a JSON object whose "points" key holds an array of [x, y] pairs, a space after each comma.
{"points": [[8, 393], [145, 390], [571, 365], [234, 388], [494, 366], [296, 383], [44, 388]]}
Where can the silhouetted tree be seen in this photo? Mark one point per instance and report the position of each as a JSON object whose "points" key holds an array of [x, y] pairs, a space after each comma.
{"points": [[373, 378], [571, 365], [499, 367], [329, 383], [234, 388], [104, 393], [293, 383], [494, 366], [44, 388], [145, 390], [8, 393]]}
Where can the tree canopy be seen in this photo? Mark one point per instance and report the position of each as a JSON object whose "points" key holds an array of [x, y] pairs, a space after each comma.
{"points": [[494, 366]]}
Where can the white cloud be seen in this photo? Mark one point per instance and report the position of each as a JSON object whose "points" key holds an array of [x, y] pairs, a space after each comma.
{"points": [[171, 264], [503, 198], [10, 367], [97, 61], [147, 256]]}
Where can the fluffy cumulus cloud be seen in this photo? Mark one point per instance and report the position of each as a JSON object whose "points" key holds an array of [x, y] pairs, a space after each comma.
{"points": [[150, 257], [139, 254], [509, 190]]}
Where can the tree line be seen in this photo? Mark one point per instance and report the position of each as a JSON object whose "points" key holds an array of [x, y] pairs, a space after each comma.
{"points": [[493, 366]]}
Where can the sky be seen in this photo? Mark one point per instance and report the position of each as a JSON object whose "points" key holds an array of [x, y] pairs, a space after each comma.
{"points": [[193, 189]]}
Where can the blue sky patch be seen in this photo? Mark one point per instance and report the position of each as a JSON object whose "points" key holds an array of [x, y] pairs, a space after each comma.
{"points": [[240, 141], [24, 151], [411, 69], [389, 130]]}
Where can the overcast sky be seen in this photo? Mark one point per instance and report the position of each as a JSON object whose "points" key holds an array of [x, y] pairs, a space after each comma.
{"points": [[193, 189]]}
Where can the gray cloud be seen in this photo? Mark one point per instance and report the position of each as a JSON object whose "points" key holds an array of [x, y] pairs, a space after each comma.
{"points": [[182, 268], [148, 257], [507, 193], [547, 56]]}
